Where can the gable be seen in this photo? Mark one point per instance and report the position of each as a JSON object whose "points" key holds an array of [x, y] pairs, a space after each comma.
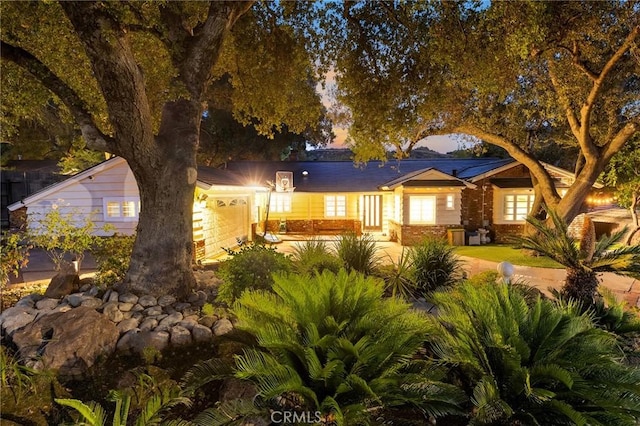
{"points": [[426, 178], [104, 174]]}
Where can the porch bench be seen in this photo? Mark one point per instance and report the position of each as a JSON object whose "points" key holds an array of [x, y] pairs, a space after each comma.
{"points": [[332, 226]]}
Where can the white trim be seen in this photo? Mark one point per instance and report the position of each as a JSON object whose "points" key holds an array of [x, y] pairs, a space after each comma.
{"points": [[335, 212], [393, 184], [121, 202], [548, 167], [450, 202], [433, 199]]}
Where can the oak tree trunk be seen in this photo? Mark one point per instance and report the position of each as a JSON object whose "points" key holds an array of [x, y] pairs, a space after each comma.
{"points": [[162, 257]]}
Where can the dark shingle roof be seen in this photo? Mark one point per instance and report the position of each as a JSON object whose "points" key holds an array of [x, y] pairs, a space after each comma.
{"points": [[342, 176]]}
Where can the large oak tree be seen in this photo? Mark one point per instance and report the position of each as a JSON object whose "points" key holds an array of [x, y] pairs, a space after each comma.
{"points": [[134, 76], [513, 74]]}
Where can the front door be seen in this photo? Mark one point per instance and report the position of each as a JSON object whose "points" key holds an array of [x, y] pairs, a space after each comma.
{"points": [[372, 213]]}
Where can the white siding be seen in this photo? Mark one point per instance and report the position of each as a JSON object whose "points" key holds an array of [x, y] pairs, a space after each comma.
{"points": [[223, 219], [444, 216], [85, 197]]}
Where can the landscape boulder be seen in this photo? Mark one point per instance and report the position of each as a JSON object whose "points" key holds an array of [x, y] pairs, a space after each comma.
{"points": [[69, 342], [65, 282]]}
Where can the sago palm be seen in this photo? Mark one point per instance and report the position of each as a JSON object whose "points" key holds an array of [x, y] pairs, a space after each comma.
{"points": [[332, 344], [583, 259], [533, 363]]}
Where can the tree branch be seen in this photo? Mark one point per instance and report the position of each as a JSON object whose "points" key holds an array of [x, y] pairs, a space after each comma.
{"points": [[94, 138], [194, 51], [589, 104], [575, 52], [586, 145], [118, 75], [543, 177], [618, 141]]}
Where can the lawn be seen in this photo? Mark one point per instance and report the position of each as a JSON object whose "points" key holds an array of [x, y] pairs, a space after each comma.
{"points": [[500, 253]]}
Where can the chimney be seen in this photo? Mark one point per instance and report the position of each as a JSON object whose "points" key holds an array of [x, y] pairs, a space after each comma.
{"points": [[454, 172]]}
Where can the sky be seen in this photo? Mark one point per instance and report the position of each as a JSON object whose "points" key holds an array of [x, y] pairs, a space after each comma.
{"points": [[439, 143]]}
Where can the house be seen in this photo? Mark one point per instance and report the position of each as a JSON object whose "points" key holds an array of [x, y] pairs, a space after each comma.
{"points": [[398, 200]]}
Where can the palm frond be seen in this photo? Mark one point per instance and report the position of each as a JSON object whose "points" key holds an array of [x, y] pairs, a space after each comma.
{"points": [[92, 413], [205, 372], [230, 413], [489, 406]]}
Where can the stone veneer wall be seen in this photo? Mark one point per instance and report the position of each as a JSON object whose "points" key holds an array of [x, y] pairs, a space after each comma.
{"points": [[315, 226], [502, 234], [472, 212], [410, 235]]}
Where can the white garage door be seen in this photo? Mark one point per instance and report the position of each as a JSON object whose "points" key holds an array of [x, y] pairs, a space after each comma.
{"points": [[230, 219]]}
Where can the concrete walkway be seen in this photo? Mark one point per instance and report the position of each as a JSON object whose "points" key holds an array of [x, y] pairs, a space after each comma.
{"points": [[40, 270]]}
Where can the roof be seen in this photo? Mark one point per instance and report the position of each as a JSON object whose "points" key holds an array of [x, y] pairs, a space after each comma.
{"points": [[326, 176], [345, 176], [107, 164], [520, 183]]}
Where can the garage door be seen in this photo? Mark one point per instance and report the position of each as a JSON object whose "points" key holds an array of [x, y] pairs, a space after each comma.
{"points": [[229, 219]]}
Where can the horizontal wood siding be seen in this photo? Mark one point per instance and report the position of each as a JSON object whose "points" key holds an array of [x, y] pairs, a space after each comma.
{"points": [[307, 206], [444, 216], [85, 197], [221, 221]]}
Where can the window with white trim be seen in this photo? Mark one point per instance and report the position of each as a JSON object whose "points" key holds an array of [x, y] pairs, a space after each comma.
{"points": [[121, 209], [280, 202], [422, 209], [335, 205], [450, 205], [517, 206]]}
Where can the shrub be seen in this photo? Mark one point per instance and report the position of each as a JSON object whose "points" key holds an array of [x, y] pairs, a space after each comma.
{"points": [[13, 256], [149, 400], [332, 344], [531, 363], [357, 253], [250, 268], [436, 265], [314, 256], [584, 259], [112, 255], [606, 312], [61, 234], [399, 277]]}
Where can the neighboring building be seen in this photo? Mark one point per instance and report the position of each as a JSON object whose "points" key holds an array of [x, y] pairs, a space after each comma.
{"points": [[21, 178], [397, 200]]}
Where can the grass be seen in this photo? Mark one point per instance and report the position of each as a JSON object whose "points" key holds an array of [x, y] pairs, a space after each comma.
{"points": [[500, 253]]}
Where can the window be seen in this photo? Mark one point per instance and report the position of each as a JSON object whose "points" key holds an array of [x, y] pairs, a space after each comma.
{"points": [[517, 206], [422, 209], [335, 206], [450, 202], [280, 202], [118, 209]]}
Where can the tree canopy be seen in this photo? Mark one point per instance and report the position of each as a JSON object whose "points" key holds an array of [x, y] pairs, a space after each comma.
{"points": [[519, 75], [134, 77]]}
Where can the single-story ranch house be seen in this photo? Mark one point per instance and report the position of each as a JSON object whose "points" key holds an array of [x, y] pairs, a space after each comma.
{"points": [[398, 200]]}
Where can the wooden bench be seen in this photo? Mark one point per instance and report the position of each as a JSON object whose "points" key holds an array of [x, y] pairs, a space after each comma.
{"points": [[333, 226]]}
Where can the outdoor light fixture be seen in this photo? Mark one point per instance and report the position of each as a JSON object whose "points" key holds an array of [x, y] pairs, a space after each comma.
{"points": [[305, 173]]}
